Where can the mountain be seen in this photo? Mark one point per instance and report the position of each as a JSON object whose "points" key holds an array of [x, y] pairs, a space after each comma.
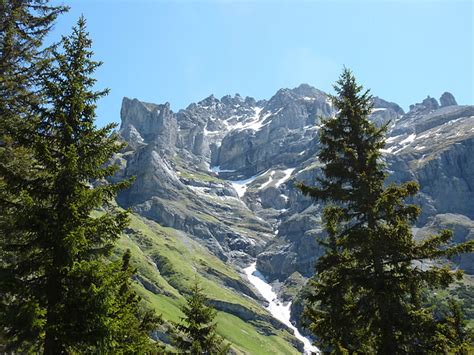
{"points": [[219, 177]]}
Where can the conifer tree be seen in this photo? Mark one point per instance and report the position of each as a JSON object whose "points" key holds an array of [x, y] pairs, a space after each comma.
{"points": [[70, 300], [367, 288], [23, 26], [76, 154], [198, 326], [131, 324]]}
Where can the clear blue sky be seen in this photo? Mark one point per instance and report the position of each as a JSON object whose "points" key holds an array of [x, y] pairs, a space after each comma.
{"points": [[183, 51]]}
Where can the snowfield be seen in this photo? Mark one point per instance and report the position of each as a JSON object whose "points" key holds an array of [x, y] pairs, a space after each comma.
{"points": [[278, 309]]}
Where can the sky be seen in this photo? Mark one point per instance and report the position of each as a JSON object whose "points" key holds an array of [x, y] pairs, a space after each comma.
{"points": [[183, 51]]}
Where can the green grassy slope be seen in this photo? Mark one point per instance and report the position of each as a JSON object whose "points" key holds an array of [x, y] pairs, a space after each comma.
{"points": [[168, 261]]}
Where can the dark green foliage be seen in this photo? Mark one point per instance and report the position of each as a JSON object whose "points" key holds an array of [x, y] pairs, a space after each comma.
{"points": [[23, 26], [60, 294], [130, 324], [366, 292], [198, 327], [465, 293], [74, 152], [453, 330]]}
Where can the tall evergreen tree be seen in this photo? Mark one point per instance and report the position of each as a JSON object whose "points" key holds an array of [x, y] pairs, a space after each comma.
{"points": [[75, 153], [70, 300], [198, 326], [23, 26], [367, 287]]}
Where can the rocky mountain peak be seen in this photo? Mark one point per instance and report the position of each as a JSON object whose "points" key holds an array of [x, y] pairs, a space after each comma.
{"points": [[303, 92], [381, 103], [430, 103], [427, 105], [221, 165], [447, 99], [306, 90], [209, 101], [144, 122]]}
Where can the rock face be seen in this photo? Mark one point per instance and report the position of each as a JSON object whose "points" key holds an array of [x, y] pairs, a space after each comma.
{"points": [[223, 171], [463, 230], [447, 99]]}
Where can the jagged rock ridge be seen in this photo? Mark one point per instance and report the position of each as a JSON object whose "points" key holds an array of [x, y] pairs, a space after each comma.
{"points": [[223, 171]]}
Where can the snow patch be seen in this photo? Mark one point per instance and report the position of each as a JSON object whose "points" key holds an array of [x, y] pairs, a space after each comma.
{"points": [[399, 146], [388, 150], [254, 122], [329, 101], [210, 133], [269, 181], [393, 139], [278, 309], [240, 186], [207, 192], [423, 136], [217, 169], [287, 175], [408, 139]]}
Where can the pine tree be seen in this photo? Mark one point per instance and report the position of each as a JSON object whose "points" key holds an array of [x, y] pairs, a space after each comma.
{"points": [[70, 300], [367, 287], [23, 26], [76, 154], [130, 323], [198, 326]]}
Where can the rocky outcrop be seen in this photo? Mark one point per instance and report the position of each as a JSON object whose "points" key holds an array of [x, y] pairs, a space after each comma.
{"points": [[281, 131], [385, 112], [447, 177], [381, 103], [447, 99], [428, 104], [236, 284], [463, 230], [249, 316], [148, 123]]}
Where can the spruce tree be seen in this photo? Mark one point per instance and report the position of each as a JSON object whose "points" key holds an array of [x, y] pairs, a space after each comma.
{"points": [[367, 288], [71, 298], [131, 324], [76, 155], [23, 26], [198, 327]]}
